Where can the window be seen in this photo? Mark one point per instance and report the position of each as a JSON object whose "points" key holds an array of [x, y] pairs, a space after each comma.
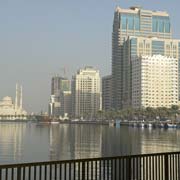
{"points": [[136, 23], [161, 24], [123, 22], [154, 24], [130, 22], [167, 27]]}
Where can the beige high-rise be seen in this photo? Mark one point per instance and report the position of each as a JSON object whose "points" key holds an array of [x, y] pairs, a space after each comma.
{"points": [[86, 93], [138, 32], [137, 22], [154, 81]]}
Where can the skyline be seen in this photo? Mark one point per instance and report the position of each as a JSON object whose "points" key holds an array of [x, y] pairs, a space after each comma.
{"points": [[32, 35]]}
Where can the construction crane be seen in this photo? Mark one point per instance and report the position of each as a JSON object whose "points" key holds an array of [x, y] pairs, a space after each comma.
{"points": [[64, 71]]}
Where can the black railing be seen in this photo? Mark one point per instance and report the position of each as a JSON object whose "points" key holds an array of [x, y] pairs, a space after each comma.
{"points": [[160, 166]]}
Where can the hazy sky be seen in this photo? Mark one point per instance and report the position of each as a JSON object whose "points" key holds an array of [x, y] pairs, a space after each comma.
{"points": [[40, 37]]}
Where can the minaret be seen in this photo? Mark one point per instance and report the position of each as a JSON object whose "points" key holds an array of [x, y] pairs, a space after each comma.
{"points": [[20, 98], [16, 100]]}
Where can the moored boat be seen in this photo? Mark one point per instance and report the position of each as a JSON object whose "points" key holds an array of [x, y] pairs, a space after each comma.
{"points": [[142, 125], [171, 125], [149, 125]]}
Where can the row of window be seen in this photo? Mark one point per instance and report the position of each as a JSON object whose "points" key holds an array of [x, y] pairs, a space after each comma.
{"points": [[132, 22], [161, 24], [129, 21]]}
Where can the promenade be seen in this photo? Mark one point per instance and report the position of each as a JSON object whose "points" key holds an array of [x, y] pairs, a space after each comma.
{"points": [[160, 166]]}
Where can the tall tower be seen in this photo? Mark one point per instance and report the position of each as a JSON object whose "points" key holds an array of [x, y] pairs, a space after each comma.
{"points": [[58, 86], [18, 99], [18, 96], [86, 92], [154, 81], [132, 22], [21, 96]]}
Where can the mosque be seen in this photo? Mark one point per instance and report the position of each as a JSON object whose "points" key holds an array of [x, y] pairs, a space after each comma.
{"points": [[10, 110]]}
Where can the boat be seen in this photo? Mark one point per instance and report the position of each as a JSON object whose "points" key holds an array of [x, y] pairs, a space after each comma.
{"points": [[46, 120], [54, 122], [171, 125], [149, 125], [142, 125]]}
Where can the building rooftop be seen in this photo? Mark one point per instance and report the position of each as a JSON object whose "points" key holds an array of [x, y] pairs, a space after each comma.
{"points": [[136, 9]]}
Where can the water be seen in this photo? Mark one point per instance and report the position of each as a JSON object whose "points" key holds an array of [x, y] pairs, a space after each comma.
{"points": [[29, 142]]}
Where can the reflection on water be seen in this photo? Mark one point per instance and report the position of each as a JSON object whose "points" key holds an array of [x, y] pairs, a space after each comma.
{"points": [[160, 140], [21, 142], [11, 141], [75, 141]]}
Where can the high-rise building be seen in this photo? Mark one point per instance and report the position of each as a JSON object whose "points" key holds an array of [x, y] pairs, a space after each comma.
{"points": [[154, 81], [107, 93], [138, 23], [58, 86], [135, 47], [86, 92], [54, 106], [66, 102]]}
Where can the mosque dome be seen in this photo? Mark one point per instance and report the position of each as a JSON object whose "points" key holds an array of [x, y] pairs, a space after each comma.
{"points": [[7, 100]]}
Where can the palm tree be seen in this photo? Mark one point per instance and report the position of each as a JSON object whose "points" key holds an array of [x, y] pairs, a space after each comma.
{"points": [[174, 110], [151, 113]]}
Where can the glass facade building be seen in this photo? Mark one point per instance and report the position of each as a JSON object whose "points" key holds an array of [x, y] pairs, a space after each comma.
{"points": [[137, 32], [58, 86]]}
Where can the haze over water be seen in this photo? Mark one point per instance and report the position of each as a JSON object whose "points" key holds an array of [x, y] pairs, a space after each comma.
{"points": [[23, 142]]}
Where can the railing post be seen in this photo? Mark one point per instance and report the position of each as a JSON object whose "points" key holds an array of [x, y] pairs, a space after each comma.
{"points": [[83, 170], [166, 167], [19, 173], [128, 168]]}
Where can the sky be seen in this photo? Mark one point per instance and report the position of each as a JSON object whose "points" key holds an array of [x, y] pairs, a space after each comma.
{"points": [[38, 38]]}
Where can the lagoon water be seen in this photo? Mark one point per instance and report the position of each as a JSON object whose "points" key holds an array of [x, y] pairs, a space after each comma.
{"points": [[30, 142]]}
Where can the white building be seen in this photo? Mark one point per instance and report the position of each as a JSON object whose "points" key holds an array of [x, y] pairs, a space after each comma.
{"points": [[54, 106], [86, 92], [154, 81], [11, 110]]}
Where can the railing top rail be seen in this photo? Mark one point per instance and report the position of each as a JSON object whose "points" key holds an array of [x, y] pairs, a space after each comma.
{"points": [[83, 160]]}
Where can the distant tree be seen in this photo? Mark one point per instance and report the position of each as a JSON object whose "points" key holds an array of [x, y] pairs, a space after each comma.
{"points": [[151, 113], [175, 107], [174, 111]]}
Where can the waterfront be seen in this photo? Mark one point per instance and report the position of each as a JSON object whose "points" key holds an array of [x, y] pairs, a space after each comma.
{"points": [[30, 142]]}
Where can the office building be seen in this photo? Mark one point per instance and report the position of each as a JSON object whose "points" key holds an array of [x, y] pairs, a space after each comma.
{"points": [[54, 106], [107, 93], [86, 93], [154, 81], [66, 102], [129, 26], [135, 47], [58, 86]]}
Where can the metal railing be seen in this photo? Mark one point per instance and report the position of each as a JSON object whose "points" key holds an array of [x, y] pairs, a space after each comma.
{"points": [[159, 166]]}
